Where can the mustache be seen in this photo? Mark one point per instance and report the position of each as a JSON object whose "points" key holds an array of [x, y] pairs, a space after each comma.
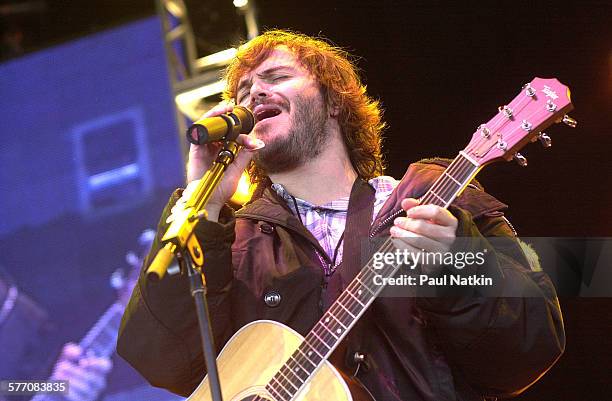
{"points": [[257, 102]]}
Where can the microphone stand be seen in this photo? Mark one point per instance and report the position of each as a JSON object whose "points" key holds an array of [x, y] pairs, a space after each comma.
{"points": [[182, 244]]}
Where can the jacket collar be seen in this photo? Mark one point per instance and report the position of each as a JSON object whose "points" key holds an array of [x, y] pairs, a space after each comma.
{"points": [[270, 207]]}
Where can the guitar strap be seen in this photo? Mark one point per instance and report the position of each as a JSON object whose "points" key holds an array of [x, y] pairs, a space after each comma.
{"points": [[356, 246], [356, 230]]}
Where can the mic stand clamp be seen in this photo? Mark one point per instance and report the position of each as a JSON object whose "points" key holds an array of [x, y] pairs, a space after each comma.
{"points": [[180, 242]]}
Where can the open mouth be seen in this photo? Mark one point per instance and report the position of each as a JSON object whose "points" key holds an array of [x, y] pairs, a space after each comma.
{"points": [[265, 111]]}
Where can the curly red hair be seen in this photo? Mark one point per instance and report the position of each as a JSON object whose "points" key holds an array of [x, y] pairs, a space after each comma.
{"points": [[360, 116]]}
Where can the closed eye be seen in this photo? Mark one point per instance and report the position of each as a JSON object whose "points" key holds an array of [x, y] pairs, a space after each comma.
{"points": [[279, 78]]}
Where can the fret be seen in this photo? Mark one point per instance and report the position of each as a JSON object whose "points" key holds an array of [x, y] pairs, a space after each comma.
{"points": [[468, 158], [367, 279], [324, 336], [291, 375], [336, 319], [355, 298], [388, 270], [337, 329], [314, 365], [331, 325], [321, 341], [328, 330], [109, 322], [298, 369], [452, 181], [313, 350], [342, 314], [452, 178], [280, 372], [352, 307], [368, 269], [273, 391], [463, 175], [363, 285], [282, 388], [349, 312], [436, 195], [359, 294]]}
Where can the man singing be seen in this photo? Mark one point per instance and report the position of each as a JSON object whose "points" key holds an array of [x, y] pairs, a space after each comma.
{"points": [[315, 153]]}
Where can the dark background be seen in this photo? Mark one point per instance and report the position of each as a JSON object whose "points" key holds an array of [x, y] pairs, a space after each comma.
{"points": [[441, 70]]}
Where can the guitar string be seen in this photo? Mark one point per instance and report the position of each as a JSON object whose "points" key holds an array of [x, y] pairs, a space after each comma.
{"points": [[459, 165]]}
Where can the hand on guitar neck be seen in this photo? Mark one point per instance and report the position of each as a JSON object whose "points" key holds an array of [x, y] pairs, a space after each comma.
{"points": [[85, 374]]}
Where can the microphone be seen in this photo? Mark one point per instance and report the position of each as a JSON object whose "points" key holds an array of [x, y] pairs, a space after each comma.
{"points": [[221, 127]]}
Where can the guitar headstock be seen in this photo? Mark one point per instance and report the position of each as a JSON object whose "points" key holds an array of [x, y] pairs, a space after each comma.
{"points": [[124, 281], [540, 103]]}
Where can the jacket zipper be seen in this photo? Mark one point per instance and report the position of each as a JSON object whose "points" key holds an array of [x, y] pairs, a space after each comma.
{"points": [[385, 222]]}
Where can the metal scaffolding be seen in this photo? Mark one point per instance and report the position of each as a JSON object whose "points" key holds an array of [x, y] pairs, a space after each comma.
{"points": [[196, 82]]}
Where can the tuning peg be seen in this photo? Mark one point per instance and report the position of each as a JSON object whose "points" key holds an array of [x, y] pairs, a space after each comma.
{"points": [[567, 120], [545, 140], [520, 159]]}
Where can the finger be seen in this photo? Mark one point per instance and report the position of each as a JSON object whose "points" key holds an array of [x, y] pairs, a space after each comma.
{"points": [[422, 243], [434, 213], [249, 142], [70, 372], [96, 365], [221, 108], [207, 149], [423, 227], [80, 390], [71, 352], [409, 203], [242, 160], [84, 377]]}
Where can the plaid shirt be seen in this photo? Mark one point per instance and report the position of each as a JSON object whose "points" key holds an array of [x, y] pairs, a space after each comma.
{"points": [[326, 222]]}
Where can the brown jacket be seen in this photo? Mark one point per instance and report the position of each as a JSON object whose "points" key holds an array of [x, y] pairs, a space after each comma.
{"points": [[449, 347]]}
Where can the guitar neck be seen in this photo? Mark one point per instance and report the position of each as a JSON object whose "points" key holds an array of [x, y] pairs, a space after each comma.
{"points": [[344, 313]]}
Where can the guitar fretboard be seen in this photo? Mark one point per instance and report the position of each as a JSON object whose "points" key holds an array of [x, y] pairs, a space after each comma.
{"points": [[100, 340], [342, 315]]}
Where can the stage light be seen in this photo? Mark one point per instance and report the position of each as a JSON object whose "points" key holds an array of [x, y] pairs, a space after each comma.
{"points": [[240, 3], [178, 10], [244, 191]]}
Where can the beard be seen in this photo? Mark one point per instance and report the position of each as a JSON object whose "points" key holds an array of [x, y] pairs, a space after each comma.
{"points": [[305, 140]]}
